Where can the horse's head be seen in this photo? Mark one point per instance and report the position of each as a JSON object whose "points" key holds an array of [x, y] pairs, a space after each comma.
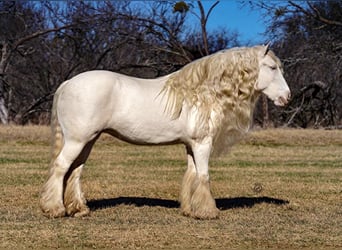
{"points": [[270, 79]]}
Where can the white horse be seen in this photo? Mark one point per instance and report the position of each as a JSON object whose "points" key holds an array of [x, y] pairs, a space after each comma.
{"points": [[206, 106]]}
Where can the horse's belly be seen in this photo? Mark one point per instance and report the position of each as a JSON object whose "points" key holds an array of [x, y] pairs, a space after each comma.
{"points": [[146, 127]]}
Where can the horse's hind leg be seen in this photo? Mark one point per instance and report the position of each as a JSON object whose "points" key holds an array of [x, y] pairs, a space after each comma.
{"points": [[74, 201], [187, 184], [52, 195]]}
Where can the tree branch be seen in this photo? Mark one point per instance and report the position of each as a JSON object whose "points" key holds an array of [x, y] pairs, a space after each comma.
{"points": [[39, 33], [318, 16], [321, 18], [210, 10]]}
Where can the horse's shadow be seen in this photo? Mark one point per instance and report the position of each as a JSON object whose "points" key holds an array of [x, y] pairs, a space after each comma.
{"points": [[221, 203]]}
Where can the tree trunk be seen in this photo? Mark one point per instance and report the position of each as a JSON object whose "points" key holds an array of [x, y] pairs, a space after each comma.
{"points": [[3, 109], [5, 54], [266, 119]]}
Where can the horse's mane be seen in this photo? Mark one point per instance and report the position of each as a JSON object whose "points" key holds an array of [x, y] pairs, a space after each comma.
{"points": [[221, 87]]}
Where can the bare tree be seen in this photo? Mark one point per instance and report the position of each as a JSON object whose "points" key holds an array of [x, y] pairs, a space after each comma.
{"points": [[204, 19], [13, 43], [308, 38], [54, 41]]}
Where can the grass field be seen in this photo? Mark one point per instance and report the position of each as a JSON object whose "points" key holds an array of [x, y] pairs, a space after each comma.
{"points": [[276, 189]]}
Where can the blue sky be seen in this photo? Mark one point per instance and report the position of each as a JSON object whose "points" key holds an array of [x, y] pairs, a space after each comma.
{"points": [[248, 23]]}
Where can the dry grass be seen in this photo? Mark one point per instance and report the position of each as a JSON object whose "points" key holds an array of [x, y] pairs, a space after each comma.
{"points": [[277, 189]]}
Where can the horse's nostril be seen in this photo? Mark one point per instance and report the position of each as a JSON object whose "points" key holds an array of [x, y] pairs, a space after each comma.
{"points": [[289, 96]]}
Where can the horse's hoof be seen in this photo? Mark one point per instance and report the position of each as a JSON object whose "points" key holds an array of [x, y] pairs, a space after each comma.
{"points": [[85, 211], [186, 210], [208, 214], [54, 213], [77, 210]]}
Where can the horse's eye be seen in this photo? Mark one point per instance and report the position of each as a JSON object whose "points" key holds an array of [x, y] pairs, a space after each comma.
{"points": [[273, 67]]}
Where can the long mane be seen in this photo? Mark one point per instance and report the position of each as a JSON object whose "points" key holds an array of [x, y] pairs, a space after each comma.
{"points": [[221, 87]]}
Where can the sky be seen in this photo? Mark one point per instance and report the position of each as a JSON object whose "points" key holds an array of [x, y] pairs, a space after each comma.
{"points": [[248, 23]]}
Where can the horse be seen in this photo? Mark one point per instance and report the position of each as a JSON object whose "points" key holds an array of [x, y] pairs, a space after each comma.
{"points": [[206, 106]]}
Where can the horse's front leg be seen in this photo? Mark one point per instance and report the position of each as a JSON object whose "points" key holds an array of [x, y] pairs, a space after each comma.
{"points": [[202, 203]]}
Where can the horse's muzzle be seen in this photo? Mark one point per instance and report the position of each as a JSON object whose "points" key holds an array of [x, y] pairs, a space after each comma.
{"points": [[283, 99]]}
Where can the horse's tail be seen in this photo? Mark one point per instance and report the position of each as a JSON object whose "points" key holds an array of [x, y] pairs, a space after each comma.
{"points": [[57, 144], [56, 129]]}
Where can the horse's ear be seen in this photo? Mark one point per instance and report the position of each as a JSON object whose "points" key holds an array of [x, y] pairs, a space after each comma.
{"points": [[267, 48]]}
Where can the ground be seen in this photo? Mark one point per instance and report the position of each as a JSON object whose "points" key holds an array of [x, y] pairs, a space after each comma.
{"points": [[279, 188]]}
